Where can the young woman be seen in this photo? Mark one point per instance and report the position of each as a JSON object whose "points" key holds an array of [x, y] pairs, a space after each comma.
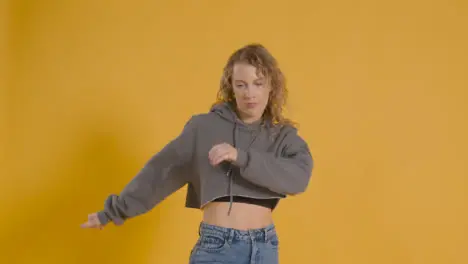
{"points": [[238, 161]]}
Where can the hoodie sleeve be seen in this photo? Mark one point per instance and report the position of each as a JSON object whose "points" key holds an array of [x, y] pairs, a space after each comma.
{"points": [[287, 174], [163, 174]]}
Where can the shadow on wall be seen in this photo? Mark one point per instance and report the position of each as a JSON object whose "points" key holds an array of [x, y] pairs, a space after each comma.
{"points": [[48, 221]]}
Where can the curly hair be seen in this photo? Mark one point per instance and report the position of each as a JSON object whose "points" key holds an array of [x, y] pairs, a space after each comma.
{"points": [[259, 57]]}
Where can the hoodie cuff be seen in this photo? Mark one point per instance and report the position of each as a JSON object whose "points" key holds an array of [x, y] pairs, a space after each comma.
{"points": [[242, 158], [103, 219]]}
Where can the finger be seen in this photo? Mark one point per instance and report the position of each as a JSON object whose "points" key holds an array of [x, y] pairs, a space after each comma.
{"points": [[217, 151], [218, 155], [213, 151], [93, 222], [87, 225], [220, 159], [92, 226], [218, 147]]}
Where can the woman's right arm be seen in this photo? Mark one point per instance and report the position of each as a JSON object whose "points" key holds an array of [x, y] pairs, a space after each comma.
{"points": [[165, 173]]}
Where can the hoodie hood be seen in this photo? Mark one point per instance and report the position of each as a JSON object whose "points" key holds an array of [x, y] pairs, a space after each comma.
{"points": [[227, 112], [224, 110]]}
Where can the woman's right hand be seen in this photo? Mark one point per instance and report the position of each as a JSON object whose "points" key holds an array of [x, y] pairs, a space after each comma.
{"points": [[93, 222]]}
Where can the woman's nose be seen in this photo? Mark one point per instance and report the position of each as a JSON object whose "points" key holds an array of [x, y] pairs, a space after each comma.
{"points": [[248, 92]]}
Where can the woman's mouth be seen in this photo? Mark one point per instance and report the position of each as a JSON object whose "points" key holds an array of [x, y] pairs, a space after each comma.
{"points": [[251, 105]]}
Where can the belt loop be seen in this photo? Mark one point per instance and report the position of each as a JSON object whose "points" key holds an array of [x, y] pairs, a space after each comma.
{"points": [[231, 236], [266, 234]]}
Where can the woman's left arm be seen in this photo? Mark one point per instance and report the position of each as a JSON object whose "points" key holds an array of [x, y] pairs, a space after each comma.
{"points": [[288, 174]]}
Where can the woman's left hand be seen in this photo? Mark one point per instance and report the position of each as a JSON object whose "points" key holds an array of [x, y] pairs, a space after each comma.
{"points": [[222, 152]]}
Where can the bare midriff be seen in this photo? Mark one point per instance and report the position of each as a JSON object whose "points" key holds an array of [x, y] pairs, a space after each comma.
{"points": [[243, 216]]}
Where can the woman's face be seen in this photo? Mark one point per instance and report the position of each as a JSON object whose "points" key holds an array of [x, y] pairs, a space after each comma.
{"points": [[251, 92]]}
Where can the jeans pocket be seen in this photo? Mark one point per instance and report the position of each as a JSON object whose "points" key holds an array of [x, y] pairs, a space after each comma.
{"points": [[211, 243], [273, 242]]}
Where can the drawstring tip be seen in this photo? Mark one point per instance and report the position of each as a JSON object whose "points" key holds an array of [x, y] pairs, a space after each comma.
{"points": [[229, 210], [231, 198]]}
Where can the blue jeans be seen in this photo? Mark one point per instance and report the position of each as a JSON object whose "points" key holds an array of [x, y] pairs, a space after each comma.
{"points": [[226, 245]]}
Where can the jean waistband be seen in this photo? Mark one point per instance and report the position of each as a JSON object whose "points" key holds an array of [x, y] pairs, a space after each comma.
{"points": [[260, 234]]}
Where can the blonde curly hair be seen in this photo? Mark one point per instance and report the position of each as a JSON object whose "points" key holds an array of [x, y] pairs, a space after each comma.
{"points": [[259, 57]]}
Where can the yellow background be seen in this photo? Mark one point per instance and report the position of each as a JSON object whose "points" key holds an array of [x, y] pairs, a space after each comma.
{"points": [[94, 88]]}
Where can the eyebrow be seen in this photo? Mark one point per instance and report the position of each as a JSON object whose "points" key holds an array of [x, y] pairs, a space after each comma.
{"points": [[256, 80]]}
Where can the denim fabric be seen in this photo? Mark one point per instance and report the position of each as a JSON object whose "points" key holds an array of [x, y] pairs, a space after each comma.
{"points": [[226, 245]]}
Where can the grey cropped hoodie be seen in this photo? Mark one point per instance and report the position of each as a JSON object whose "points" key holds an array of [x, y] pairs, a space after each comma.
{"points": [[273, 161]]}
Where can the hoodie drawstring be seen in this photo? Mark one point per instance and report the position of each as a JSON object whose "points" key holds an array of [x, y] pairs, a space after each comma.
{"points": [[229, 172]]}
